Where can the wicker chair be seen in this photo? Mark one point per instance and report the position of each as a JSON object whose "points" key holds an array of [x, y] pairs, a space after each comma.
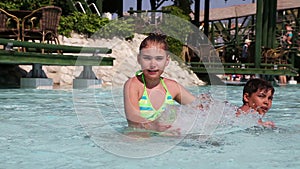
{"points": [[275, 56], [9, 26], [42, 24]]}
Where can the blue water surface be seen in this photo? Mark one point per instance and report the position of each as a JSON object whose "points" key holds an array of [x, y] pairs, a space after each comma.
{"points": [[41, 129]]}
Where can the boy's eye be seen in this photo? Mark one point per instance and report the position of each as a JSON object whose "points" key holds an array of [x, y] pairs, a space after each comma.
{"points": [[159, 58]]}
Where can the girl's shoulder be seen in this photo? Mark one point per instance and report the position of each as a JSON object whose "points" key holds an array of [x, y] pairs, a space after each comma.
{"points": [[133, 79], [169, 81], [134, 82], [172, 85]]}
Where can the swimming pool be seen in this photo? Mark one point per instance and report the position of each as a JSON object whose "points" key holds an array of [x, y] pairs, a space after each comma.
{"points": [[42, 129]]}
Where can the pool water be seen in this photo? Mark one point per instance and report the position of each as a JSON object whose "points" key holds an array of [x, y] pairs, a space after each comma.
{"points": [[54, 129]]}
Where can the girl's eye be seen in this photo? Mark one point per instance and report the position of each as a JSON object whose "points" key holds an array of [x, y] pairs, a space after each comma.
{"points": [[147, 57]]}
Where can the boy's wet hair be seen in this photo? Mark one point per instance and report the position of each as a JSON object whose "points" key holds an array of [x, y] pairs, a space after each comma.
{"points": [[155, 38], [253, 85]]}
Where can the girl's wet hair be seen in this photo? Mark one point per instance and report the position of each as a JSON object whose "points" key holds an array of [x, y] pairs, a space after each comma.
{"points": [[253, 85], [155, 39]]}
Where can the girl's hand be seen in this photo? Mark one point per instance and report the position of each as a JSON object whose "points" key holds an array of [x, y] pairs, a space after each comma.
{"points": [[156, 126], [172, 132], [159, 126]]}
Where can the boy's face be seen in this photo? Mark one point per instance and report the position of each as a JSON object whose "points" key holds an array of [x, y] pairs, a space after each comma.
{"points": [[153, 61], [261, 100]]}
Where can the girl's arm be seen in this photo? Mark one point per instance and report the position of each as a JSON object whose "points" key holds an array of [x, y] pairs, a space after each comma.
{"points": [[131, 99]]}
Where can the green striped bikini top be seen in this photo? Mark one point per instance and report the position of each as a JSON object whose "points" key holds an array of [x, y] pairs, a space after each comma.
{"points": [[146, 108]]}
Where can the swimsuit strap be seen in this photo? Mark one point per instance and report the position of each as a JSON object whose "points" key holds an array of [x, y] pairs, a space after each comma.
{"points": [[140, 72], [146, 108]]}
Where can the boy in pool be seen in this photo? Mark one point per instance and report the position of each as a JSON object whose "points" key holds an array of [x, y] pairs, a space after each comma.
{"points": [[147, 94], [258, 95]]}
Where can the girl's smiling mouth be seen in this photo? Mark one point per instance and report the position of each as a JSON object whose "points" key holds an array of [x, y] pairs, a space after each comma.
{"points": [[152, 72]]}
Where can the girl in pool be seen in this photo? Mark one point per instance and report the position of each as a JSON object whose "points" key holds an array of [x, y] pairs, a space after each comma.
{"points": [[258, 96], [147, 94]]}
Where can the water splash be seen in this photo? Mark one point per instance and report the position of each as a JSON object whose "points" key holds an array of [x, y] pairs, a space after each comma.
{"points": [[207, 116]]}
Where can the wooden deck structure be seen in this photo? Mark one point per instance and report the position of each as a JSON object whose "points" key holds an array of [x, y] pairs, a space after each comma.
{"points": [[262, 22], [66, 56], [238, 11]]}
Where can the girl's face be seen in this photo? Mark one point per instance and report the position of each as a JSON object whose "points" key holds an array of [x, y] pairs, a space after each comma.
{"points": [[260, 101], [153, 61]]}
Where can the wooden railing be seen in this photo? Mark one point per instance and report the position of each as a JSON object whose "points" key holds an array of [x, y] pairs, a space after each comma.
{"points": [[243, 68], [66, 58]]}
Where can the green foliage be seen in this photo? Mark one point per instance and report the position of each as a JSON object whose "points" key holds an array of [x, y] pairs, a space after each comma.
{"points": [[121, 28], [177, 26], [81, 23], [7, 5], [93, 25], [177, 12], [24, 4], [175, 46], [34, 4], [184, 5], [66, 25]]}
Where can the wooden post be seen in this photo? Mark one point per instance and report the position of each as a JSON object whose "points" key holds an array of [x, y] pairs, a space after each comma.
{"points": [[139, 7], [236, 30], [212, 34], [265, 22], [272, 23], [258, 33], [197, 13], [206, 17]]}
